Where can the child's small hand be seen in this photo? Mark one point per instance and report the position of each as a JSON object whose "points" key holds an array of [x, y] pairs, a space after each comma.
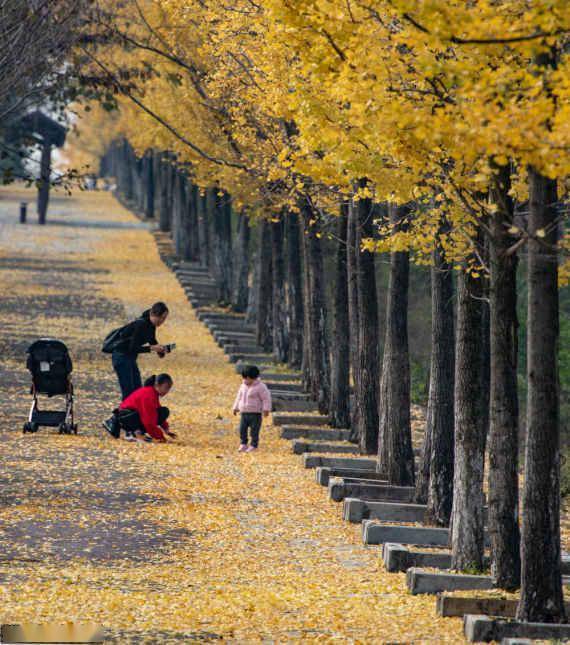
{"points": [[235, 411], [266, 414]]}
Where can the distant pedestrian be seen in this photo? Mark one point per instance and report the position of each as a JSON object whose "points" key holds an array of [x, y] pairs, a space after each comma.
{"points": [[253, 402], [137, 337]]}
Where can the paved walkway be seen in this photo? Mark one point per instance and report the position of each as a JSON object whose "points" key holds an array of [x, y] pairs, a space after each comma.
{"points": [[189, 541]]}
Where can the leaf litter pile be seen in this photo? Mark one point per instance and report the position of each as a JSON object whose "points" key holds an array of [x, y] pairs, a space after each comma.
{"points": [[162, 543]]}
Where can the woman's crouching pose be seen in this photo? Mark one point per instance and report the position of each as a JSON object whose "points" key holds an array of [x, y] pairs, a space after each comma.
{"points": [[140, 415]]}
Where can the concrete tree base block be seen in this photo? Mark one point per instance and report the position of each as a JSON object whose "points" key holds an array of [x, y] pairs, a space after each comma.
{"points": [[300, 419], [420, 581], [210, 316], [283, 377], [324, 473], [300, 447], [286, 405], [356, 510], [398, 558], [252, 359], [482, 629], [262, 367], [234, 336], [340, 489], [286, 395], [453, 606], [314, 461], [273, 384], [228, 329], [374, 533], [233, 347], [320, 434]]}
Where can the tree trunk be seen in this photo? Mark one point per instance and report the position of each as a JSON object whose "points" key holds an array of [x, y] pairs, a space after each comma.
{"points": [[194, 248], [241, 284], [179, 216], [280, 327], [222, 246], [45, 178], [165, 194], [352, 252], [251, 314], [203, 227], [439, 428], [395, 455], [367, 381], [264, 323], [148, 184], [467, 513], [541, 590], [294, 290], [317, 345], [503, 524], [340, 373]]}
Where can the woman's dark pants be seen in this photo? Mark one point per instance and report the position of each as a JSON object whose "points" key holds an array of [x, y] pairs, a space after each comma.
{"points": [[130, 420], [125, 365], [251, 421]]}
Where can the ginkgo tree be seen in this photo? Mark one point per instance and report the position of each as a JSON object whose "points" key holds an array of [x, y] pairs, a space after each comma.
{"points": [[457, 117]]}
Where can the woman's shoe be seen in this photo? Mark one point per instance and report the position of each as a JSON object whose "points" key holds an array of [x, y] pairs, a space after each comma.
{"points": [[243, 448], [111, 425], [251, 449]]}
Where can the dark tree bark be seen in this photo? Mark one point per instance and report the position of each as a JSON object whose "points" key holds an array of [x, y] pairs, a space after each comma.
{"points": [[503, 523], [541, 589], [395, 455], [352, 252], [192, 233], [241, 283], [367, 381], [439, 427], [280, 327], [222, 246], [179, 213], [295, 317], [467, 513], [340, 355], [203, 227], [317, 342], [264, 323], [251, 314], [149, 184], [44, 185], [165, 194]]}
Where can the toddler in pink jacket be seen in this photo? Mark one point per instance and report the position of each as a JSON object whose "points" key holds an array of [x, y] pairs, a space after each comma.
{"points": [[253, 402]]}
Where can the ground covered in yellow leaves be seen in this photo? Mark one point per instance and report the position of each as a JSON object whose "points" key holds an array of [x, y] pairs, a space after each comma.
{"points": [[159, 543]]}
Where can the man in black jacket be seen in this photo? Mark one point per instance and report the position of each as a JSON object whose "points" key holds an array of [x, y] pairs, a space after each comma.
{"points": [[138, 337]]}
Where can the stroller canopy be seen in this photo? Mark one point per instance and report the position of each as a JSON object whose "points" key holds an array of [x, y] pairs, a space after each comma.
{"points": [[50, 365]]}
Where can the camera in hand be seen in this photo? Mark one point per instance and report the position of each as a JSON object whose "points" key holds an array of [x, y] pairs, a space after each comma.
{"points": [[168, 348]]}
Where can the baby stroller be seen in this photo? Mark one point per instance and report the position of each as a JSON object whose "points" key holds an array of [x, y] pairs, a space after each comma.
{"points": [[50, 365]]}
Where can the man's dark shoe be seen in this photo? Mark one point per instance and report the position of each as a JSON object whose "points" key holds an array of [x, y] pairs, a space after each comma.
{"points": [[112, 427]]}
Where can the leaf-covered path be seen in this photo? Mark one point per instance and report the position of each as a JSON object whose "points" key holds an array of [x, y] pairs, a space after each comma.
{"points": [[187, 541]]}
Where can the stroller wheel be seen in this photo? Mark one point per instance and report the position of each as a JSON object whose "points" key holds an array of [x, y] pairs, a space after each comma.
{"points": [[27, 427], [75, 428], [62, 429], [34, 427]]}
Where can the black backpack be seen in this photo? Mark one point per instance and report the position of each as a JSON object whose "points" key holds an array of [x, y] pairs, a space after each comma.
{"points": [[119, 338]]}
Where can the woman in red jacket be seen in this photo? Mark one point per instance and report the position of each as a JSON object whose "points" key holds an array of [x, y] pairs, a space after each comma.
{"points": [[142, 416]]}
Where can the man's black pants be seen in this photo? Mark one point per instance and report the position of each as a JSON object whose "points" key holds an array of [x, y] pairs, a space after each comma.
{"points": [[251, 421]]}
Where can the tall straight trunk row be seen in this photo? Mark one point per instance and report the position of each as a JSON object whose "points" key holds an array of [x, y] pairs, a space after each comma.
{"points": [[472, 401]]}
